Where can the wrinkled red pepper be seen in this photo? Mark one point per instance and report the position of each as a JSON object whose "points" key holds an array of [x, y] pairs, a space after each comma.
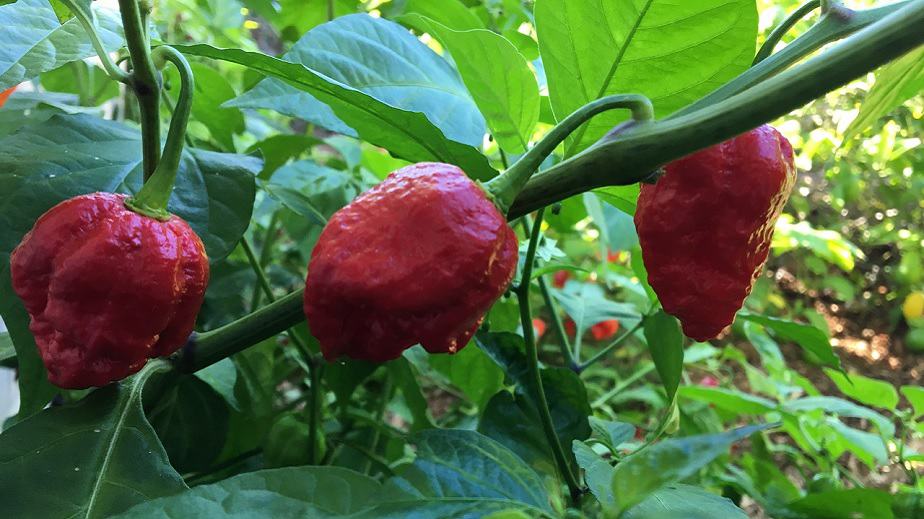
{"points": [[107, 288], [419, 258], [705, 226]]}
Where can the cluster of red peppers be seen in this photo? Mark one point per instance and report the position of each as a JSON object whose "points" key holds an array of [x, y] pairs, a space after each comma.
{"points": [[418, 259]]}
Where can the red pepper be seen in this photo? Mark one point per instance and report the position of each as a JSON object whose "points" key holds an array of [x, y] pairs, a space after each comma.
{"points": [[709, 381], [705, 226], [418, 258], [539, 327], [570, 327], [604, 329], [6, 94], [107, 288], [560, 278]]}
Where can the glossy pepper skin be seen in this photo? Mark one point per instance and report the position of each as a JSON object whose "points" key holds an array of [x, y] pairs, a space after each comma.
{"points": [[419, 258], [705, 226], [106, 288]]}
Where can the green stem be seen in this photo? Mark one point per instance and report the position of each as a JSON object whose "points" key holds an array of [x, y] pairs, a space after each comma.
{"points": [[87, 20], [144, 81], [609, 347], [314, 412], [535, 376], [273, 319], [777, 34], [505, 188], [564, 343], [832, 25], [265, 252], [640, 149], [154, 194]]}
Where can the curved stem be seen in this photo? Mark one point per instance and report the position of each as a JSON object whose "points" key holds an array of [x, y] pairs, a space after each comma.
{"points": [[505, 188], [154, 194], [777, 34], [634, 153], [144, 81], [87, 20], [535, 376]]}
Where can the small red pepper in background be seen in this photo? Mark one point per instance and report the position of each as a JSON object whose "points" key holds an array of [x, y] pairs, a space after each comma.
{"points": [[107, 288], [709, 381], [6, 94], [560, 278], [604, 329], [570, 327], [419, 258], [615, 256], [705, 226], [539, 327]]}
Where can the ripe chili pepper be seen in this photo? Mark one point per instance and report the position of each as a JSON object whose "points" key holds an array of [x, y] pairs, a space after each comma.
{"points": [[570, 327], [539, 327], [560, 278], [107, 288], [604, 329], [705, 226], [6, 94], [419, 258]]}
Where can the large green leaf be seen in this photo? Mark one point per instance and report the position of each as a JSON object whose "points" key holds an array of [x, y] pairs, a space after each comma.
{"points": [[285, 492], [868, 503], [451, 13], [211, 90], [730, 400], [686, 501], [669, 461], [842, 408], [34, 41], [496, 74], [865, 390], [672, 52], [48, 162], [191, 420], [464, 467], [371, 78], [311, 190], [91, 459], [471, 371]]}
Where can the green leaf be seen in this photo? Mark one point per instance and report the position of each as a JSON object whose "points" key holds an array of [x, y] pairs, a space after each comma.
{"points": [[211, 90], [728, 399], [451, 13], [405, 380], [587, 305], [598, 473], [498, 78], [471, 371], [672, 52], [191, 420], [826, 244], [915, 396], [222, 377], [311, 190], [811, 339], [41, 43], [623, 198], [280, 149], [840, 407], [646, 471], [665, 342], [379, 82], [98, 456], [343, 377], [868, 447], [6, 347], [454, 465], [613, 434], [868, 503], [285, 492], [895, 83], [865, 390], [686, 501]]}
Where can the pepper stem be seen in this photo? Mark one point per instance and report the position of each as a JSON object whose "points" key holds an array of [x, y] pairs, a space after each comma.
{"points": [[505, 188], [152, 199]]}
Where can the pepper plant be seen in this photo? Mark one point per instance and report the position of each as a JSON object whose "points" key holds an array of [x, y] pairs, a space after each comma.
{"points": [[372, 192]]}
